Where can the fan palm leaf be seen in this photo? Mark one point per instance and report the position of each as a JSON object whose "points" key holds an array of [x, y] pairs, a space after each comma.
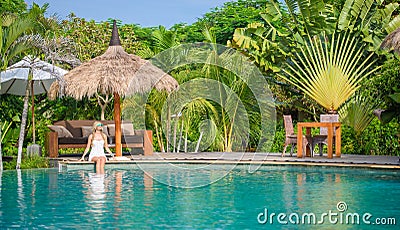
{"points": [[357, 112], [329, 72]]}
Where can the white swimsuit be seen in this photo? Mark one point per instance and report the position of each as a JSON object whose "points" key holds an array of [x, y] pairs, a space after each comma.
{"points": [[97, 149]]}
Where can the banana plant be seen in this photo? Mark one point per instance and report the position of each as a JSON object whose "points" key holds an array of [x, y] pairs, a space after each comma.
{"points": [[370, 19], [329, 72], [272, 41]]}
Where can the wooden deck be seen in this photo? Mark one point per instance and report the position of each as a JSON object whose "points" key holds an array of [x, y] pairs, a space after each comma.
{"points": [[367, 161]]}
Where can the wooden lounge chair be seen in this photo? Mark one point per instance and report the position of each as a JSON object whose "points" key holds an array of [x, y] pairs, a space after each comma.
{"points": [[291, 137], [322, 138]]}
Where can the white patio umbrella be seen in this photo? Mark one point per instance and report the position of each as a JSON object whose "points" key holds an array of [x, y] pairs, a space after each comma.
{"points": [[31, 76], [15, 78]]}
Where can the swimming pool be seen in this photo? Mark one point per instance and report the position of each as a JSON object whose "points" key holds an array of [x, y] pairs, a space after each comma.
{"points": [[273, 197]]}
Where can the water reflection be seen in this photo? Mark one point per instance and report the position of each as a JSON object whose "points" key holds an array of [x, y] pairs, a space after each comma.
{"points": [[148, 181], [97, 191], [21, 196], [117, 197], [96, 195], [53, 181], [148, 189], [313, 190]]}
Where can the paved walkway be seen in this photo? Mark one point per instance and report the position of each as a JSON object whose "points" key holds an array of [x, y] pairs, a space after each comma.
{"points": [[390, 162]]}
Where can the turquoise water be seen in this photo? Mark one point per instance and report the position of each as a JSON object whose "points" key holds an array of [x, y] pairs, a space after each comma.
{"points": [[130, 199]]}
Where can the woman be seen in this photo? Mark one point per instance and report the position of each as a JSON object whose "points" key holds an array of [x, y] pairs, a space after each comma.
{"points": [[98, 141]]}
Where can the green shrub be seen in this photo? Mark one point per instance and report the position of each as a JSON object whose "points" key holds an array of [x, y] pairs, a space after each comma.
{"points": [[377, 139], [277, 146], [28, 163]]}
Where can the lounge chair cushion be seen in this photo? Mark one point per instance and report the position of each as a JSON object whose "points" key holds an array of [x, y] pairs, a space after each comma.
{"points": [[72, 140], [87, 130], [61, 130], [128, 139], [127, 129]]}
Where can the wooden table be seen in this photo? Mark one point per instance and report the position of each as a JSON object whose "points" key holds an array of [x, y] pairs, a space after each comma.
{"points": [[330, 126]]}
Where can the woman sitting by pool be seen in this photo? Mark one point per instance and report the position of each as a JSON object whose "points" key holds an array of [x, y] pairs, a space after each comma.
{"points": [[98, 141]]}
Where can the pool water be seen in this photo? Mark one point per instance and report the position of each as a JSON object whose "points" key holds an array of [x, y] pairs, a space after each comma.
{"points": [[128, 198]]}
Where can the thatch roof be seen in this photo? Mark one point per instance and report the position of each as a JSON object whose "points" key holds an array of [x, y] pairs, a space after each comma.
{"points": [[392, 41], [116, 72]]}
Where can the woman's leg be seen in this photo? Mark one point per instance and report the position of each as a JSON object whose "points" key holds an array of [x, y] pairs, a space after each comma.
{"points": [[97, 161], [102, 164]]}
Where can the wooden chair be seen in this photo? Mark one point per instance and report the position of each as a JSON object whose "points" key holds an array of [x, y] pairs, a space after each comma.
{"points": [[322, 138], [291, 137]]}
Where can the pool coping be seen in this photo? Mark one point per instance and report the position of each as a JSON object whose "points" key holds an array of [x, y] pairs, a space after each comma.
{"points": [[218, 158]]}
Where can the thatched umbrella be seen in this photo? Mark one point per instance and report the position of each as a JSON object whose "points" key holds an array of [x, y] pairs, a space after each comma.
{"points": [[392, 41], [119, 73]]}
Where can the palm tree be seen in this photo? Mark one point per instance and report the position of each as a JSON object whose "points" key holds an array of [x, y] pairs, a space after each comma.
{"points": [[163, 39], [195, 111], [12, 29], [52, 50], [329, 72], [142, 108], [233, 94], [23, 34]]}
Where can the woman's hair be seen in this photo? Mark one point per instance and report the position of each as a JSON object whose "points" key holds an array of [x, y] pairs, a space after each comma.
{"points": [[95, 124]]}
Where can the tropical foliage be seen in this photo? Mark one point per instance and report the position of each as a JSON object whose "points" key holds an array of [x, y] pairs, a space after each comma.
{"points": [[15, 34], [12, 6], [92, 38], [297, 45], [369, 19], [13, 28]]}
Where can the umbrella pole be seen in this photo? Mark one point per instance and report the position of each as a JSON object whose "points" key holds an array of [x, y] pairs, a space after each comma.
{"points": [[33, 113], [117, 119]]}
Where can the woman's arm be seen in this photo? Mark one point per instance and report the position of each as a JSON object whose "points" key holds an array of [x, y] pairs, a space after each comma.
{"points": [[87, 146]]}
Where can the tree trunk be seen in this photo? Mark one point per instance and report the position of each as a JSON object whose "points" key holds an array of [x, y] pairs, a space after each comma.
{"points": [[175, 127], [186, 139], [180, 137], [103, 102], [198, 143], [159, 137], [161, 140], [22, 130], [168, 126], [117, 119], [33, 113], [103, 108]]}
